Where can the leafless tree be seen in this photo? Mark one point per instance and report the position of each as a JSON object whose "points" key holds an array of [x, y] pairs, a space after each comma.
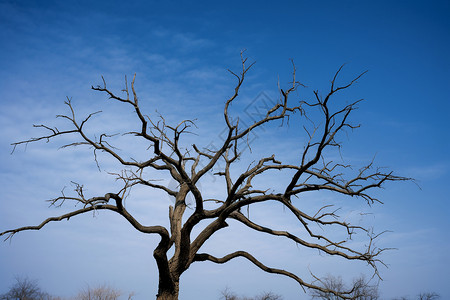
{"points": [[324, 122], [428, 296], [229, 295], [103, 292], [330, 283], [268, 296], [26, 289], [361, 289], [422, 296]]}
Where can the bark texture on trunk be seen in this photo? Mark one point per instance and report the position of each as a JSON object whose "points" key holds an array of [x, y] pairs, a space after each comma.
{"points": [[168, 293]]}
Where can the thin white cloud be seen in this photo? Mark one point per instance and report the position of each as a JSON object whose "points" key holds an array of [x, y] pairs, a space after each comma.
{"points": [[182, 75], [437, 170]]}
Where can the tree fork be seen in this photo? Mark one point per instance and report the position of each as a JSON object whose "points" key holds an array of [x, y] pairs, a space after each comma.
{"points": [[312, 171]]}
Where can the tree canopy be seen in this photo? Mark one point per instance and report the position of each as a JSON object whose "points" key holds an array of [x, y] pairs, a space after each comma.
{"points": [[323, 118]]}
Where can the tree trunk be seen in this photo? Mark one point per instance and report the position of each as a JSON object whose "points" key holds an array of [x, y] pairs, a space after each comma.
{"points": [[168, 285], [165, 293]]}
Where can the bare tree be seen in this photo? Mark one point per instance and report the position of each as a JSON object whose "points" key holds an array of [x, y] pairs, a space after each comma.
{"points": [[268, 296], [360, 290], [103, 292], [422, 296], [428, 296], [25, 289], [229, 295], [330, 283], [325, 120]]}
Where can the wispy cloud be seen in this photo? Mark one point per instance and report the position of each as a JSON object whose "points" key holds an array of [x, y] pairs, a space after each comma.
{"points": [[50, 50], [437, 170]]}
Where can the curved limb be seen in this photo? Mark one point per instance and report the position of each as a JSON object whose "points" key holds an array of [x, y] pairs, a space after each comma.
{"points": [[369, 256], [162, 231], [256, 262]]}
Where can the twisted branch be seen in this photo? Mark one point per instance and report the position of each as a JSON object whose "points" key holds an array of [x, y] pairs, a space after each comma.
{"points": [[187, 165]]}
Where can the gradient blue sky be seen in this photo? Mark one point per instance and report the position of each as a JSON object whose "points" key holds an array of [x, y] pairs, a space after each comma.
{"points": [[180, 51]]}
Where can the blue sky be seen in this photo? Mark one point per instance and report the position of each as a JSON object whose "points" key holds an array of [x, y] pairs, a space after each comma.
{"points": [[180, 51]]}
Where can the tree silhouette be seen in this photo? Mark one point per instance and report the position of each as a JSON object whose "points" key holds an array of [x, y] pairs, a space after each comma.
{"points": [[229, 295], [361, 289], [165, 153], [25, 289], [103, 292]]}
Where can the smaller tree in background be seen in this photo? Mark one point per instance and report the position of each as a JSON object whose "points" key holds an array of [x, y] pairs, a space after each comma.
{"points": [[229, 295], [428, 296], [26, 289], [361, 290], [103, 292], [422, 296]]}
